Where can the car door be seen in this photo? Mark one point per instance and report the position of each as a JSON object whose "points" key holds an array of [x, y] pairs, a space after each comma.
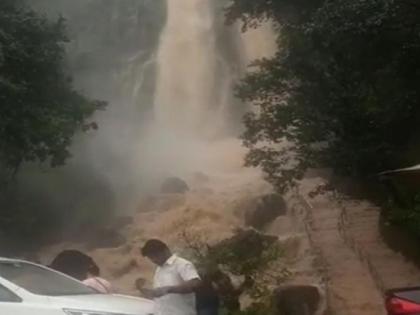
{"points": [[11, 303]]}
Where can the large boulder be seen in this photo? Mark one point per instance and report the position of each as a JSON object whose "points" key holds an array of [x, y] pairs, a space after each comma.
{"points": [[174, 185], [298, 300], [264, 209], [73, 263]]}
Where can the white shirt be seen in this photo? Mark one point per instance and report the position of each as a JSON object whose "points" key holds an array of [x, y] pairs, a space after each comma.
{"points": [[174, 272], [98, 284]]}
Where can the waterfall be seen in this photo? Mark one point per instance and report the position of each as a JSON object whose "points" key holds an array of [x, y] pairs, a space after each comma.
{"points": [[196, 74], [185, 99], [167, 69]]}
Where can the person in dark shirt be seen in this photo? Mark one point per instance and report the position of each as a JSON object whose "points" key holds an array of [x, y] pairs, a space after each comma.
{"points": [[207, 298]]}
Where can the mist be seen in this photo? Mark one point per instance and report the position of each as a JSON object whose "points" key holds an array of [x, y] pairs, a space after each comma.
{"points": [[168, 73]]}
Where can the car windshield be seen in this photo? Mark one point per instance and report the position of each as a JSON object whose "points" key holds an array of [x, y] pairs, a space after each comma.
{"points": [[41, 281]]}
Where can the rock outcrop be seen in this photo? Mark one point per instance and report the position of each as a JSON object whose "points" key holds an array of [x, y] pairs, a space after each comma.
{"points": [[264, 209], [298, 300]]}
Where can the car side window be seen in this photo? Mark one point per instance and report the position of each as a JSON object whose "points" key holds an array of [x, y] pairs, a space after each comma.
{"points": [[7, 296]]}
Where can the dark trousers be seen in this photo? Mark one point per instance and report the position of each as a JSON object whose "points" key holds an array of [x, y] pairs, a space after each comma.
{"points": [[208, 311]]}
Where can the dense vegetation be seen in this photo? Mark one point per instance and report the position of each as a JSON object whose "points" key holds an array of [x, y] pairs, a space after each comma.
{"points": [[40, 110], [248, 255], [342, 90]]}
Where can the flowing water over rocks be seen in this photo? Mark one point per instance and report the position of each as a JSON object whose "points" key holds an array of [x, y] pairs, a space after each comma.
{"points": [[183, 84]]}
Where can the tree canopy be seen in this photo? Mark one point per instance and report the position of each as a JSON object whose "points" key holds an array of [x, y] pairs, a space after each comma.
{"points": [[39, 109], [342, 90]]}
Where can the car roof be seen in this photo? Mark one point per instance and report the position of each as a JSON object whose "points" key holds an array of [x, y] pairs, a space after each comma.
{"points": [[4, 259], [411, 169]]}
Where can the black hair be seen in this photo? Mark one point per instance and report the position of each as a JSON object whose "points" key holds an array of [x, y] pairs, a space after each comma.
{"points": [[154, 246], [94, 270]]}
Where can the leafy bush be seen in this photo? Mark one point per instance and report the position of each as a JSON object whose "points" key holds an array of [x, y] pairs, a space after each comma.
{"points": [[407, 215], [248, 254]]}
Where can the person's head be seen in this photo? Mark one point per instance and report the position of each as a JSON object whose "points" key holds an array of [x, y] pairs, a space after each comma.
{"points": [[93, 270], [157, 251]]}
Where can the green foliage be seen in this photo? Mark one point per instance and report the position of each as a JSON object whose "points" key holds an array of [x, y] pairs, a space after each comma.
{"points": [[246, 253], [39, 114], [251, 12], [249, 254], [342, 88], [407, 216], [40, 111]]}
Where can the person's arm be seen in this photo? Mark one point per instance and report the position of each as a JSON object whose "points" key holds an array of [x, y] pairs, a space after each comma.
{"points": [[191, 282], [187, 287]]}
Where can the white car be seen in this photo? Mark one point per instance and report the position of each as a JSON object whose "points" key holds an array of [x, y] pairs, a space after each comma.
{"points": [[31, 289]]}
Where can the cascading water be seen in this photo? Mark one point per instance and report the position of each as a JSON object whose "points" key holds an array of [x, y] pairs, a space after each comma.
{"points": [[167, 69], [187, 106], [192, 132], [187, 59], [194, 90]]}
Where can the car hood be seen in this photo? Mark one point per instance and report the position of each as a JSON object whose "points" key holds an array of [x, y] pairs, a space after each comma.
{"points": [[113, 303]]}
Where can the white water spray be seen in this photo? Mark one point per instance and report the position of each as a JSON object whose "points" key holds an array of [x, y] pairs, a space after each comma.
{"points": [[191, 127], [187, 59]]}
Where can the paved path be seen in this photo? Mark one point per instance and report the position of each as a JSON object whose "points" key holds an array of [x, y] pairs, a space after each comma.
{"points": [[352, 290], [360, 220]]}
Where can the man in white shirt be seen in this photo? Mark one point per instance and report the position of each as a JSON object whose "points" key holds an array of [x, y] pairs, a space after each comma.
{"points": [[174, 283]]}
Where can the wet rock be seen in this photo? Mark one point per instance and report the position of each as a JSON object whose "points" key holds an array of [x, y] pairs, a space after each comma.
{"points": [[298, 300], [73, 263], [174, 185], [264, 209]]}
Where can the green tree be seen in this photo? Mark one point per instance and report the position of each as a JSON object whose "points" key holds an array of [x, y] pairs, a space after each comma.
{"points": [[40, 112], [39, 109], [342, 90]]}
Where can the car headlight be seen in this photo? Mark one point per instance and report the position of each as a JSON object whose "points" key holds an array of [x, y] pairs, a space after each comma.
{"points": [[84, 312]]}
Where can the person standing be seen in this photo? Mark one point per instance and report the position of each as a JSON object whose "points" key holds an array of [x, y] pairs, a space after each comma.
{"points": [[207, 297], [95, 282], [174, 283]]}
